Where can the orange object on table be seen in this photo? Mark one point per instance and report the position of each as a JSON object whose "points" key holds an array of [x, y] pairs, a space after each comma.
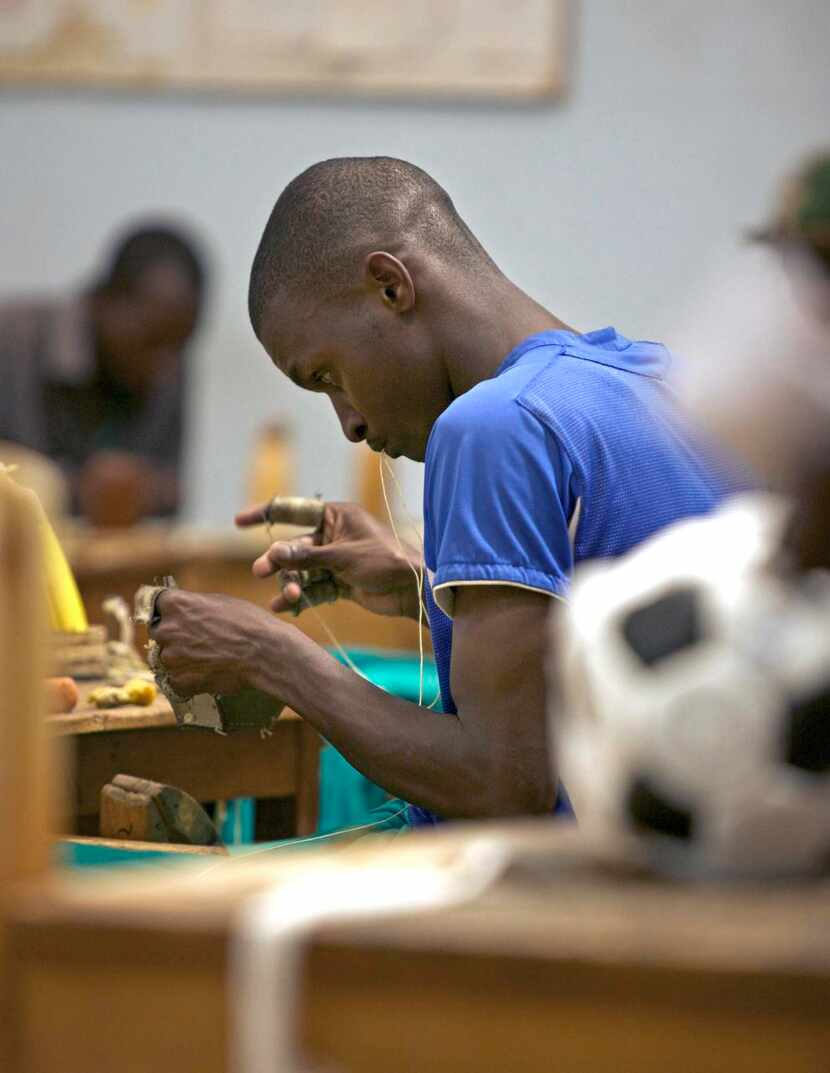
{"points": [[61, 695]]}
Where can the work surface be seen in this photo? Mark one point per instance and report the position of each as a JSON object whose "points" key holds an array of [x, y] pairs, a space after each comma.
{"points": [[146, 742], [560, 966]]}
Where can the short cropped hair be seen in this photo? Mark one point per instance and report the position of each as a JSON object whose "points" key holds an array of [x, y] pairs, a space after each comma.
{"points": [[334, 212], [141, 248]]}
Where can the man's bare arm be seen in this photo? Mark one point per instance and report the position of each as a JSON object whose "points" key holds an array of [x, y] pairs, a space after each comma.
{"points": [[489, 760]]}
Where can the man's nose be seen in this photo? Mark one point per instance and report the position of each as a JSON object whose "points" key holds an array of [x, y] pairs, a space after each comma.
{"points": [[353, 425]]}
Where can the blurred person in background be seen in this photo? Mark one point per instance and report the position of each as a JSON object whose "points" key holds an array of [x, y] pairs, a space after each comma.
{"points": [[96, 380]]}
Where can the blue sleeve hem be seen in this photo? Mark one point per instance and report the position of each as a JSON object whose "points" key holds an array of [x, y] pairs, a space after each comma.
{"points": [[506, 573]]}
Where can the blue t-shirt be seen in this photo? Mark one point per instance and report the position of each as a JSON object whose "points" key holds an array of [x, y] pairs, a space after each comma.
{"points": [[569, 452]]}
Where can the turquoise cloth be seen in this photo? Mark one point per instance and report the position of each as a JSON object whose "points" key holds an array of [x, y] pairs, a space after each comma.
{"points": [[83, 855], [389, 816], [347, 798]]}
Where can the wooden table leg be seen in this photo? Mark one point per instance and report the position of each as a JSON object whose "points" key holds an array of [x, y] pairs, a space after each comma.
{"points": [[208, 766]]}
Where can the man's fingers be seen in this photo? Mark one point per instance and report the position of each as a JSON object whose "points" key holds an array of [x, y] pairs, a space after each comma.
{"points": [[299, 554], [284, 510], [295, 510], [252, 516], [293, 598], [165, 601], [292, 591], [288, 601]]}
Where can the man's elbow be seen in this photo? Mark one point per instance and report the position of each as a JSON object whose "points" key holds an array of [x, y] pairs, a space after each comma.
{"points": [[519, 796]]}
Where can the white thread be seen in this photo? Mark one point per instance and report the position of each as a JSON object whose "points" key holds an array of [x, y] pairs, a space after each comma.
{"points": [[329, 632], [419, 581], [414, 526], [289, 843], [419, 573]]}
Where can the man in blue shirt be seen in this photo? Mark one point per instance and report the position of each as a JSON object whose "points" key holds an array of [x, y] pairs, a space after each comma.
{"points": [[542, 446]]}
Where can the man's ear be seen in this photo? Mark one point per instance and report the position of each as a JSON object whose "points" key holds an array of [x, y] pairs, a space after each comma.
{"points": [[389, 278]]}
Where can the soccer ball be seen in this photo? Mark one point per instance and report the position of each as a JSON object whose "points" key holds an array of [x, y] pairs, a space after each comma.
{"points": [[690, 716]]}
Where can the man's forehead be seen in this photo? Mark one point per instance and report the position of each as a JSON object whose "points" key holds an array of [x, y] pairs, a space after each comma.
{"points": [[293, 326]]}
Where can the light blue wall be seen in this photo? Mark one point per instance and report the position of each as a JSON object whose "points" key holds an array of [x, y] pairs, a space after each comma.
{"points": [[605, 206]]}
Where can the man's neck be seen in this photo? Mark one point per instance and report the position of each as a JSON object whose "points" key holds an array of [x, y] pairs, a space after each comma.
{"points": [[488, 327]]}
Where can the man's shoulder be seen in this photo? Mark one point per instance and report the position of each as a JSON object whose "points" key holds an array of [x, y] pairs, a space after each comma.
{"points": [[490, 409]]}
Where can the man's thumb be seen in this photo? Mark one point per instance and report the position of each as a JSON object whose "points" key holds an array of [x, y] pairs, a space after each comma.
{"points": [[286, 555]]}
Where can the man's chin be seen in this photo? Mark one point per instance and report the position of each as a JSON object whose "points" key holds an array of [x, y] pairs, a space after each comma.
{"points": [[414, 453]]}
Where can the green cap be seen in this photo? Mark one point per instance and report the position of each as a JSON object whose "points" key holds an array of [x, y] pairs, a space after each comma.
{"points": [[802, 212]]}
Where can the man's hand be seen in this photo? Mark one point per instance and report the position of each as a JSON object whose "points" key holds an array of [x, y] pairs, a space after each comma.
{"points": [[114, 489], [351, 556], [214, 644]]}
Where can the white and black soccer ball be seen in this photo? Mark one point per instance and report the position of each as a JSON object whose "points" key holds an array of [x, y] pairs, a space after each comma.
{"points": [[690, 718]]}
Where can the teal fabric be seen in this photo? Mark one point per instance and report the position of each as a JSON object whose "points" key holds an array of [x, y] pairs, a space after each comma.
{"points": [[89, 855], [388, 817], [396, 672], [237, 826], [347, 798]]}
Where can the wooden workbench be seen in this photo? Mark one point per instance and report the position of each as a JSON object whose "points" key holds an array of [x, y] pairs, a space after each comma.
{"points": [[146, 742], [560, 967]]}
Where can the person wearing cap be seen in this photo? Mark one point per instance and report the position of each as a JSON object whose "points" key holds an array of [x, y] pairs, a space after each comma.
{"points": [[95, 381], [800, 231]]}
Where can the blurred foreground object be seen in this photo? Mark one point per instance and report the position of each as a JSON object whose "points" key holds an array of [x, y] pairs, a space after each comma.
{"points": [[758, 377], [692, 722], [42, 476], [692, 729], [26, 783], [66, 611], [100, 374], [802, 214]]}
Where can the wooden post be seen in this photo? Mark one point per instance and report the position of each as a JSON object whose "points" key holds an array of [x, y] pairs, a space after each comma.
{"points": [[26, 779]]}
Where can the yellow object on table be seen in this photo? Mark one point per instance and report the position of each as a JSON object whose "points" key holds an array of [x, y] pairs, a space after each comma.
{"points": [[136, 691], [66, 609]]}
